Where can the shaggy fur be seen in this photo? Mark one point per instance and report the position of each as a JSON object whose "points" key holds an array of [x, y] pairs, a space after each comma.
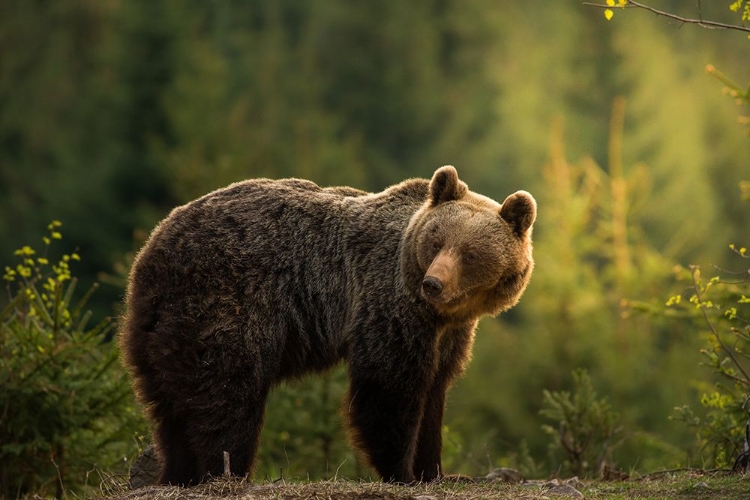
{"points": [[266, 280]]}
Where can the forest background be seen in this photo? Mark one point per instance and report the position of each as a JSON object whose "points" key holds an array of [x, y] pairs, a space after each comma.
{"points": [[113, 112]]}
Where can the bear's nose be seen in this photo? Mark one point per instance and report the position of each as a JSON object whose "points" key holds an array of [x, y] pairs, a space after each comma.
{"points": [[431, 286]]}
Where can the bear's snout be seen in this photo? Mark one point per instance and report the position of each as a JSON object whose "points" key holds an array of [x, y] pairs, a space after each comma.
{"points": [[432, 286], [440, 280]]}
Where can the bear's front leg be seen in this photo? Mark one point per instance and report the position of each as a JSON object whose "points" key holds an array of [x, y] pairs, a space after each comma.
{"points": [[384, 421], [427, 457], [455, 346]]}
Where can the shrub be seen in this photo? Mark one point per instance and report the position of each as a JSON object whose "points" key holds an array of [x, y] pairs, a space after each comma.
{"points": [[66, 407], [583, 438], [722, 306]]}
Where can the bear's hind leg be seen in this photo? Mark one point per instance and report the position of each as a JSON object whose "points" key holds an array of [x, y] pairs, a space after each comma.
{"points": [[235, 430], [179, 467]]}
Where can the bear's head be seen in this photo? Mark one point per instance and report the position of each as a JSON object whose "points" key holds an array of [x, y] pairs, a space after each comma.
{"points": [[466, 254]]}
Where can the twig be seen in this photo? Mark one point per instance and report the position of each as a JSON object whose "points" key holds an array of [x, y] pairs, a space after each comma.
{"points": [[227, 468], [700, 22], [742, 464], [696, 288]]}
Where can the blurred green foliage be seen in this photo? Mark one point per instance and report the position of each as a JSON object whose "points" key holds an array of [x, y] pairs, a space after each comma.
{"points": [[111, 113], [303, 435], [66, 407]]}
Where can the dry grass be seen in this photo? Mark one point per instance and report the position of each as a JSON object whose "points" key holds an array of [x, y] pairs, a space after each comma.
{"points": [[330, 490], [684, 485]]}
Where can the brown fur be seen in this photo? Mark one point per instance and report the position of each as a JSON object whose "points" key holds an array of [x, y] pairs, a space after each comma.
{"points": [[266, 280]]}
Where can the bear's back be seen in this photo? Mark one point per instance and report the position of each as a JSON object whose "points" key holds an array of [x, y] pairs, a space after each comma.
{"points": [[285, 251]]}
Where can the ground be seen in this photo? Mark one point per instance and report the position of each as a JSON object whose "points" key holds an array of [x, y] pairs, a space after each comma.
{"points": [[688, 485]]}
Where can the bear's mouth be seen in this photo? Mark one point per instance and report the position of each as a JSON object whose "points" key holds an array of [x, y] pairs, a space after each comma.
{"points": [[446, 301]]}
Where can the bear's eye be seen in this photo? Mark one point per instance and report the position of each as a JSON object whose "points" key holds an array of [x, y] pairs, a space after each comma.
{"points": [[436, 246], [470, 257]]}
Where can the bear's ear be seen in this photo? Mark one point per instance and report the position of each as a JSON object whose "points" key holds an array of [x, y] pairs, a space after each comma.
{"points": [[445, 186], [519, 210]]}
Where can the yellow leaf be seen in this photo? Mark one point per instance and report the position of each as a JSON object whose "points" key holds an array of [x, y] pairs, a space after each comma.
{"points": [[611, 3], [608, 13]]}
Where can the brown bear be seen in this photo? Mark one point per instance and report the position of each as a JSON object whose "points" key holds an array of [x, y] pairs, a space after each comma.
{"points": [[267, 280]]}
